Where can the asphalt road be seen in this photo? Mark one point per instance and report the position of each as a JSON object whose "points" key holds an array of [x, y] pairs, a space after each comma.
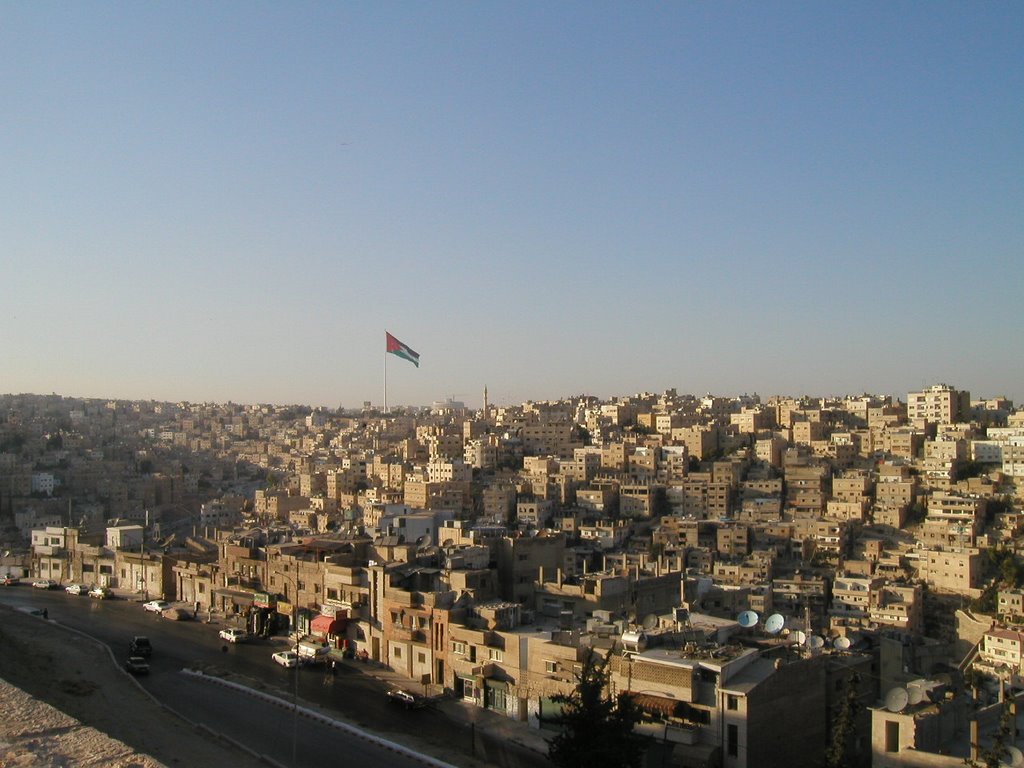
{"points": [[265, 728]]}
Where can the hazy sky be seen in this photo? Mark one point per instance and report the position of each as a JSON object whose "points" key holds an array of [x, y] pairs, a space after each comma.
{"points": [[233, 201]]}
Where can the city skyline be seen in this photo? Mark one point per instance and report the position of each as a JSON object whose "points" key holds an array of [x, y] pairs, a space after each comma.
{"points": [[205, 205]]}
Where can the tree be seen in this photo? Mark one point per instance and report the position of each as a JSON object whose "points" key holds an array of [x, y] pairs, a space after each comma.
{"points": [[997, 752], [840, 751], [597, 729]]}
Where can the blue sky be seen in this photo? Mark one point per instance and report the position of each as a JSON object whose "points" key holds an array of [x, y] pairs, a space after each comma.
{"points": [[233, 201]]}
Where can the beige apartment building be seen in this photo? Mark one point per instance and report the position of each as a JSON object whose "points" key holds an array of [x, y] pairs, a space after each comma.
{"points": [[939, 404]]}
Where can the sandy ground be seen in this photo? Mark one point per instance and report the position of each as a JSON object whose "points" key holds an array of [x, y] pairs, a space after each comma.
{"points": [[97, 714]]}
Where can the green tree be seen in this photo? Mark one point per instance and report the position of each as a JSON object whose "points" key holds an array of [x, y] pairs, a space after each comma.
{"points": [[841, 751], [996, 754], [597, 729]]}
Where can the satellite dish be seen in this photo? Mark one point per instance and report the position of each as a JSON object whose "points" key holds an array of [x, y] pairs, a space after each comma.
{"points": [[774, 623], [842, 644], [425, 540], [815, 642], [800, 637], [650, 621], [915, 694], [897, 699], [1014, 757], [747, 619]]}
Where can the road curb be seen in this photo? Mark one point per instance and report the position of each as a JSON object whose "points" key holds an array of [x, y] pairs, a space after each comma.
{"points": [[324, 719]]}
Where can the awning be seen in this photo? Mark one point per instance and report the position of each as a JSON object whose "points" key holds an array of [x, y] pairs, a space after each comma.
{"points": [[236, 596], [661, 705], [327, 625]]}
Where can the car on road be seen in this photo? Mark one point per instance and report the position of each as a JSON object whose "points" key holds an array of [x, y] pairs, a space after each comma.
{"points": [[156, 606], [76, 589], [140, 646], [406, 698], [9, 581], [137, 665], [45, 584], [233, 635], [286, 658], [100, 593]]}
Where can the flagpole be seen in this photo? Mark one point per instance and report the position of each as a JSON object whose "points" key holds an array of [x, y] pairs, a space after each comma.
{"points": [[385, 376]]}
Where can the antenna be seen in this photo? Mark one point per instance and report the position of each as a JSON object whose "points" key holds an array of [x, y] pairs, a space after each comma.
{"points": [[747, 619], [897, 699], [774, 623]]}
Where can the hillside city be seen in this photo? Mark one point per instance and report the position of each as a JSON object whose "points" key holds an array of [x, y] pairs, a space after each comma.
{"points": [[744, 563]]}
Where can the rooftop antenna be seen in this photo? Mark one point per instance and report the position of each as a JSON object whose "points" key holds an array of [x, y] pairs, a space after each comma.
{"points": [[897, 699], [747, 619], [774, 623]]}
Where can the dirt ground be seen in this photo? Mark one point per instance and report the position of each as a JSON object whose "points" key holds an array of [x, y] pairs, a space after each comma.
{"points": [[78, 677]]}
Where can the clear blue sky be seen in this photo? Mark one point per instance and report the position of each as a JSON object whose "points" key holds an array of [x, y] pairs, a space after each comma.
{"points": [[233, 201]]}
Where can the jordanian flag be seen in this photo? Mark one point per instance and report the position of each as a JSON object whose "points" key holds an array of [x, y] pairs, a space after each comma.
{"points": [[395, 347]]}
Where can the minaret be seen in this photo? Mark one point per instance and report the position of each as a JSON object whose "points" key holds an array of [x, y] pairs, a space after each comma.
{"points": [[487, 410]]}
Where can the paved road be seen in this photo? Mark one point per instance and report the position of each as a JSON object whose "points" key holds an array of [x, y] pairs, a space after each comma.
{"points": [[265, 728]]}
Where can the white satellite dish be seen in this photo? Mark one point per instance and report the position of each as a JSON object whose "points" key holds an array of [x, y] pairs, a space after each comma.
{"points": [[842, 644], [774, 623], [815, 642], [897, 699], [650, 621], [915, 694], [1014, 757], [800, 637], [747, 619]]}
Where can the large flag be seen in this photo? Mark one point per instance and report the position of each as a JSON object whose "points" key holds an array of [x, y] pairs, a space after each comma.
{"points": [[395, 347]]}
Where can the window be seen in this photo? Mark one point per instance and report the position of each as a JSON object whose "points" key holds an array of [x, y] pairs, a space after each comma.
{"points": [[733, 736], [459, 648], [396, 652], [421, 658], [495, 655], [892, 736], [332, 594], [732, 702], [550, 667]]}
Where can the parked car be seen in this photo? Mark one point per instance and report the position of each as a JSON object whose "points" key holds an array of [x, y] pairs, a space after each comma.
{"points": [[156, 606], [140, 646], [176, 614], [9, 581], [137, 665], [76, 589], [45, 584], [233, 635], [100, 593], [286, 658]]}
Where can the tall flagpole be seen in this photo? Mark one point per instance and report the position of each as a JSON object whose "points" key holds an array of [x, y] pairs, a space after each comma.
{"points": [[385, 374]]}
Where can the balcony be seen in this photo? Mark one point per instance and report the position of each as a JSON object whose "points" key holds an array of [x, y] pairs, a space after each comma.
{"points": [[677, 733]]}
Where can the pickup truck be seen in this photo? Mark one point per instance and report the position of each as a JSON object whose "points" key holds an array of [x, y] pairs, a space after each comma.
{"points": [[312, 651]]}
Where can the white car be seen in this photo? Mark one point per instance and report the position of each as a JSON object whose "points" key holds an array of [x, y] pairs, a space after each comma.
{"points": [[45, 584], [76, 589], [156, 606], [286, 658], [233, 635]]}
